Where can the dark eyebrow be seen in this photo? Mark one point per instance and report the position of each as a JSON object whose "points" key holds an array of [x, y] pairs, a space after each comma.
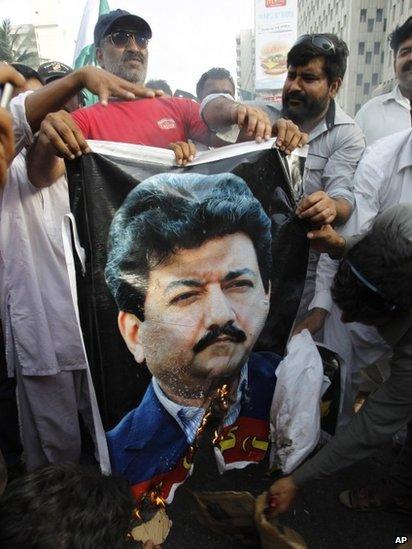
{"points": [[230, 92], [240, 272], [183, 282], [193, 283], [311, 74]]}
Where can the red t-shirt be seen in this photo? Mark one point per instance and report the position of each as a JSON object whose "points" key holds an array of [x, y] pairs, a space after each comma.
{"points": [[153, 122]]}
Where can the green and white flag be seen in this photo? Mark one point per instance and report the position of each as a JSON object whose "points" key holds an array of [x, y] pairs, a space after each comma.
{"points": [[85, 52]]}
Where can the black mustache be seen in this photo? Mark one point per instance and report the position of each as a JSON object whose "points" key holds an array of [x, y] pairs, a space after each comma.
{"points": [[228, 329], [133, 55], [295, 95], [407, 66]]}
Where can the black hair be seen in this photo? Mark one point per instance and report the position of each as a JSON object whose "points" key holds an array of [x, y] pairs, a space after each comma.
{"points": [[384, 262], [27, 71], [216, 73], [159, 85], [171, 212], [335, 63], [66, 506], [400, 34]]}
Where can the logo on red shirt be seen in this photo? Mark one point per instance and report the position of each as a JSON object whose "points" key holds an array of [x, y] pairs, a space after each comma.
{"points": [[167, 124]]}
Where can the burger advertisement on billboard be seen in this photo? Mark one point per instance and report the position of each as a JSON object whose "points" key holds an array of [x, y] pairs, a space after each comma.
{"points": [[275, 32]]}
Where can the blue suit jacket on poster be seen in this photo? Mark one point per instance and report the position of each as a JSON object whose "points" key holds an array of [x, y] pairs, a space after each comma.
{"points": [[148, 443]]}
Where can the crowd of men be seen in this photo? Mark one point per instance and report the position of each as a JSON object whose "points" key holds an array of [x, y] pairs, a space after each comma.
{"points": [[352, 188]]}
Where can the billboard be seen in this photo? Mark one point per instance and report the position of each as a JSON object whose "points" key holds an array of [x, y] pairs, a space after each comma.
{"points": [[275, 33]]}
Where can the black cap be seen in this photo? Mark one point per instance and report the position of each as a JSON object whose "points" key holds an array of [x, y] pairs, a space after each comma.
{"points": [[52, 70], [107, 20]]}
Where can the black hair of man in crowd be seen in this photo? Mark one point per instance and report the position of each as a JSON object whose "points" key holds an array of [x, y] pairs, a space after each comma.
{"points": [[386, 264], [400, 34], [216, 73], [27, 72], [335, 63], [167, 214], [160, 85], [66, 506]]}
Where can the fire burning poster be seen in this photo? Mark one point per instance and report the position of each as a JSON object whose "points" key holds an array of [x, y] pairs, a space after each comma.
{"points": [[188, 282], [275, 33]]}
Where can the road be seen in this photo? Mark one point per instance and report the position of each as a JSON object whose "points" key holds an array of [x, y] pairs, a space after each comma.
{"points": [[318, 516]]}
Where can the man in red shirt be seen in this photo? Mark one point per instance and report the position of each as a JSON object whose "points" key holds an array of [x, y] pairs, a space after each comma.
{"points": [[121, 41], [156, 122]]}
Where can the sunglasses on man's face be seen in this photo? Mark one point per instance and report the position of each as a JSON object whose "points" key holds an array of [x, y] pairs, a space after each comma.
{"points": [[320, 42], [122, 38]]}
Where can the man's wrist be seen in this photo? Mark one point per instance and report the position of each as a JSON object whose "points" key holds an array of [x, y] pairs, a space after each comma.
{"points": [[223, 113], [234, 112], [339, 248], [41, 148], [319, 311], [78, 79]]}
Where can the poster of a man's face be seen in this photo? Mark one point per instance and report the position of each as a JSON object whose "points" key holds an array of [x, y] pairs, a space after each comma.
{"points": [[184, 314], [189, 265]]}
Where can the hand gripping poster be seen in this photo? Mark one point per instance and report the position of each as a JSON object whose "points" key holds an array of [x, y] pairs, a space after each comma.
{"points": [[188, 282]]}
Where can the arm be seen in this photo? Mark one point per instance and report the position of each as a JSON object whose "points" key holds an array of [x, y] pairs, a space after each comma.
{"points": [[52, 97], [321, 304], [59, 136], [6, 144], [368, 183], [253, 122], [43, 166], [220, 113], [384, 413], [320, 208], [7, 74], [334, 203]]}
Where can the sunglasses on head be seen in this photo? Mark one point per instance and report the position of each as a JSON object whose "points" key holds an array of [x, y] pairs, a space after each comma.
{"points": [[389, 306], [319, 41], [121, 38]]}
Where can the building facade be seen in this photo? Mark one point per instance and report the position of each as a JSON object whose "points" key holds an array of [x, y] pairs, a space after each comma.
{"points": [[49, 33], [364, 25], [25, 41], [245, 64], [397, 12], [53, 37]]}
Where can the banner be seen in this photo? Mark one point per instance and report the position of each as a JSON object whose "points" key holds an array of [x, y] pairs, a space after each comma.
{"points": [[275, 33], [189, 289], [85, 51]]}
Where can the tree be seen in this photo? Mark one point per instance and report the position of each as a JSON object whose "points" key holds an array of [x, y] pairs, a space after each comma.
{"points": [[18, 46]]}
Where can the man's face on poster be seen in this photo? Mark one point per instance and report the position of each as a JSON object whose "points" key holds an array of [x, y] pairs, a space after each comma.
{"points": [[204, 310]]}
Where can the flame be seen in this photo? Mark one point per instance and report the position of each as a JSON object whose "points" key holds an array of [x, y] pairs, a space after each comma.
{"points": [[223, 391], [222, 394], [156, 500], [160, 502]]}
